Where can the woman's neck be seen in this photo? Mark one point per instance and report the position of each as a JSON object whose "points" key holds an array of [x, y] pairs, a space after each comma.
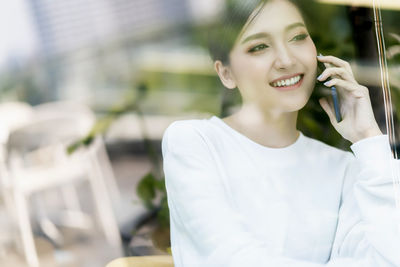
{"points": [[271, 129]]}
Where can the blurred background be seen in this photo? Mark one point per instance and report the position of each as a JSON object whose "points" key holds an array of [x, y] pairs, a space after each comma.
{"points": [[87, 89]]}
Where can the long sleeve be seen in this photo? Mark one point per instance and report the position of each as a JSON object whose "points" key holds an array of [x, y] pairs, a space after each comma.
{"points": [[368, 226], [203, 215]]}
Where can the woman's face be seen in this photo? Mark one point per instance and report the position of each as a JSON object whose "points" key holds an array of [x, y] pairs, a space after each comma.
{"points": [[273, 62]]}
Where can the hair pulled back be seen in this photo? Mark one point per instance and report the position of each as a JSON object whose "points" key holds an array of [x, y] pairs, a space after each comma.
{"points": [[225, 31]]}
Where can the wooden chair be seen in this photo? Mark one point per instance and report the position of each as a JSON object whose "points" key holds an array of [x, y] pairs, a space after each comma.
{"points": [[143, 261]]}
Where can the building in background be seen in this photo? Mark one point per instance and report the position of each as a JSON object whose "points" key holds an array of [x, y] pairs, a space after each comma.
{"points": [[64, 26], [17, 35], [88, 47]]}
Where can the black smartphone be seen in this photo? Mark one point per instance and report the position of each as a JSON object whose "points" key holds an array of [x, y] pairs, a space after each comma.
{"points": [[333, 92]]}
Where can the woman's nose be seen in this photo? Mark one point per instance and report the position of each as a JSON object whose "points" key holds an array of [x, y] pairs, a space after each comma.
{"points": [[284, 58]]}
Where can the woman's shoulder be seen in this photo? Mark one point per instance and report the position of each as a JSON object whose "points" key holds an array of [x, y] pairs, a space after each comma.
{"points": [[325, 150], [187, 133], [182, 128]]}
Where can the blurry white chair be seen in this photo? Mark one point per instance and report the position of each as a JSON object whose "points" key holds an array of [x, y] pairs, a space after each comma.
{"points": [[15, 114], [12, 116], [38, 161], [85, 119]]}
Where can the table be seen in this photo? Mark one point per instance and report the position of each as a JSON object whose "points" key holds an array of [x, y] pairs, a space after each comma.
{"points": [[143, 261]]}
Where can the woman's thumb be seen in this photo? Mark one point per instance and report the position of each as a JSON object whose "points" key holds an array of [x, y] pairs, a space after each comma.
{"points": [[328, 109]]}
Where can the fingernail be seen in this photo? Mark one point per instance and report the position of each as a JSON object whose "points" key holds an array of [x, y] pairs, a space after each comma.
{"points": [[328, 83], [319, 77]]}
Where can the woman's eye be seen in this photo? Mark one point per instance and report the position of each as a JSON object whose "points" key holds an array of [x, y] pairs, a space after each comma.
{"points": [[300, 37], [258, 48]]}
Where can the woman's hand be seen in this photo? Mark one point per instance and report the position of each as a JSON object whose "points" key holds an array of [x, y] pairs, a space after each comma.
{"points": [[358, 121]]}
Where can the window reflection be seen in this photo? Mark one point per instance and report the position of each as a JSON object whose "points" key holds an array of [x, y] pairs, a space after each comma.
{"points": [[142, 64]]}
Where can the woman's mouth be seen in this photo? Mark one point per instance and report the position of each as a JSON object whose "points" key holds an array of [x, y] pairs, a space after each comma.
{"points": [[289, 83]]}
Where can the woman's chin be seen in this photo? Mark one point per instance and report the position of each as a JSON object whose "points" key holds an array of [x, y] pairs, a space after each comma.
{"points": [[295, 103]]}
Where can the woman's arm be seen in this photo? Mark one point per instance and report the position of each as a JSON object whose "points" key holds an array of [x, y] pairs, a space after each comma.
{"points": [[368, 219], [368, 224]]}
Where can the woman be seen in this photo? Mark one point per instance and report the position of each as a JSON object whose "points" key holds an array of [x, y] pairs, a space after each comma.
{"points": [[251, 190]]}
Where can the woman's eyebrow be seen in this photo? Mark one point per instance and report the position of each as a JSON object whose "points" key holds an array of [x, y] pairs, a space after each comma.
{"points": [[265, 35]]}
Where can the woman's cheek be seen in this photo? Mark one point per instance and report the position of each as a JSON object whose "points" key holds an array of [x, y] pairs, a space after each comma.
{"points": [[307, 55], [311, 52], [252, 66], [245, 68]]}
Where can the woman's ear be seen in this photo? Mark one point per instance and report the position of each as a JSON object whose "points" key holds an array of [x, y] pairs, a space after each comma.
{"points": [[225, 75]]}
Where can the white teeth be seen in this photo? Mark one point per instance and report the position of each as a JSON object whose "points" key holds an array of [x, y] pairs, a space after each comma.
{"points": [[287, 82]]}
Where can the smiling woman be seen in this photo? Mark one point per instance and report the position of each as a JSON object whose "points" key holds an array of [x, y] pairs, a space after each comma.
{"points": [[250, 189], [274, 47]]}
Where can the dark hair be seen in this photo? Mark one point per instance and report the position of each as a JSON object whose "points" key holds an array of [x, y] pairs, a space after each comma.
{"points": [[224, 32]]}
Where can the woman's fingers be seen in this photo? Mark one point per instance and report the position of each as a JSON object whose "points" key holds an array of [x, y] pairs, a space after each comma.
{"points": [[335, 71], [329, 109], [358, 120], [337, 62], [357, 90], [342, 76]]}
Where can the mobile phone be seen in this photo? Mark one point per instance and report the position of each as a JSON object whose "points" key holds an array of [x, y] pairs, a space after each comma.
{"points": [[334, 94]]}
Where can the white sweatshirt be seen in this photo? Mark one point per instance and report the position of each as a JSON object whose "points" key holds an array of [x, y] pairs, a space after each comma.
{"points": [[234, 202]]}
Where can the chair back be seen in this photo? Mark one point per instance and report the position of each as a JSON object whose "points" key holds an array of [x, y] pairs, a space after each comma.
{"points": [[44, 142], [83, 116], [12, 116]]}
